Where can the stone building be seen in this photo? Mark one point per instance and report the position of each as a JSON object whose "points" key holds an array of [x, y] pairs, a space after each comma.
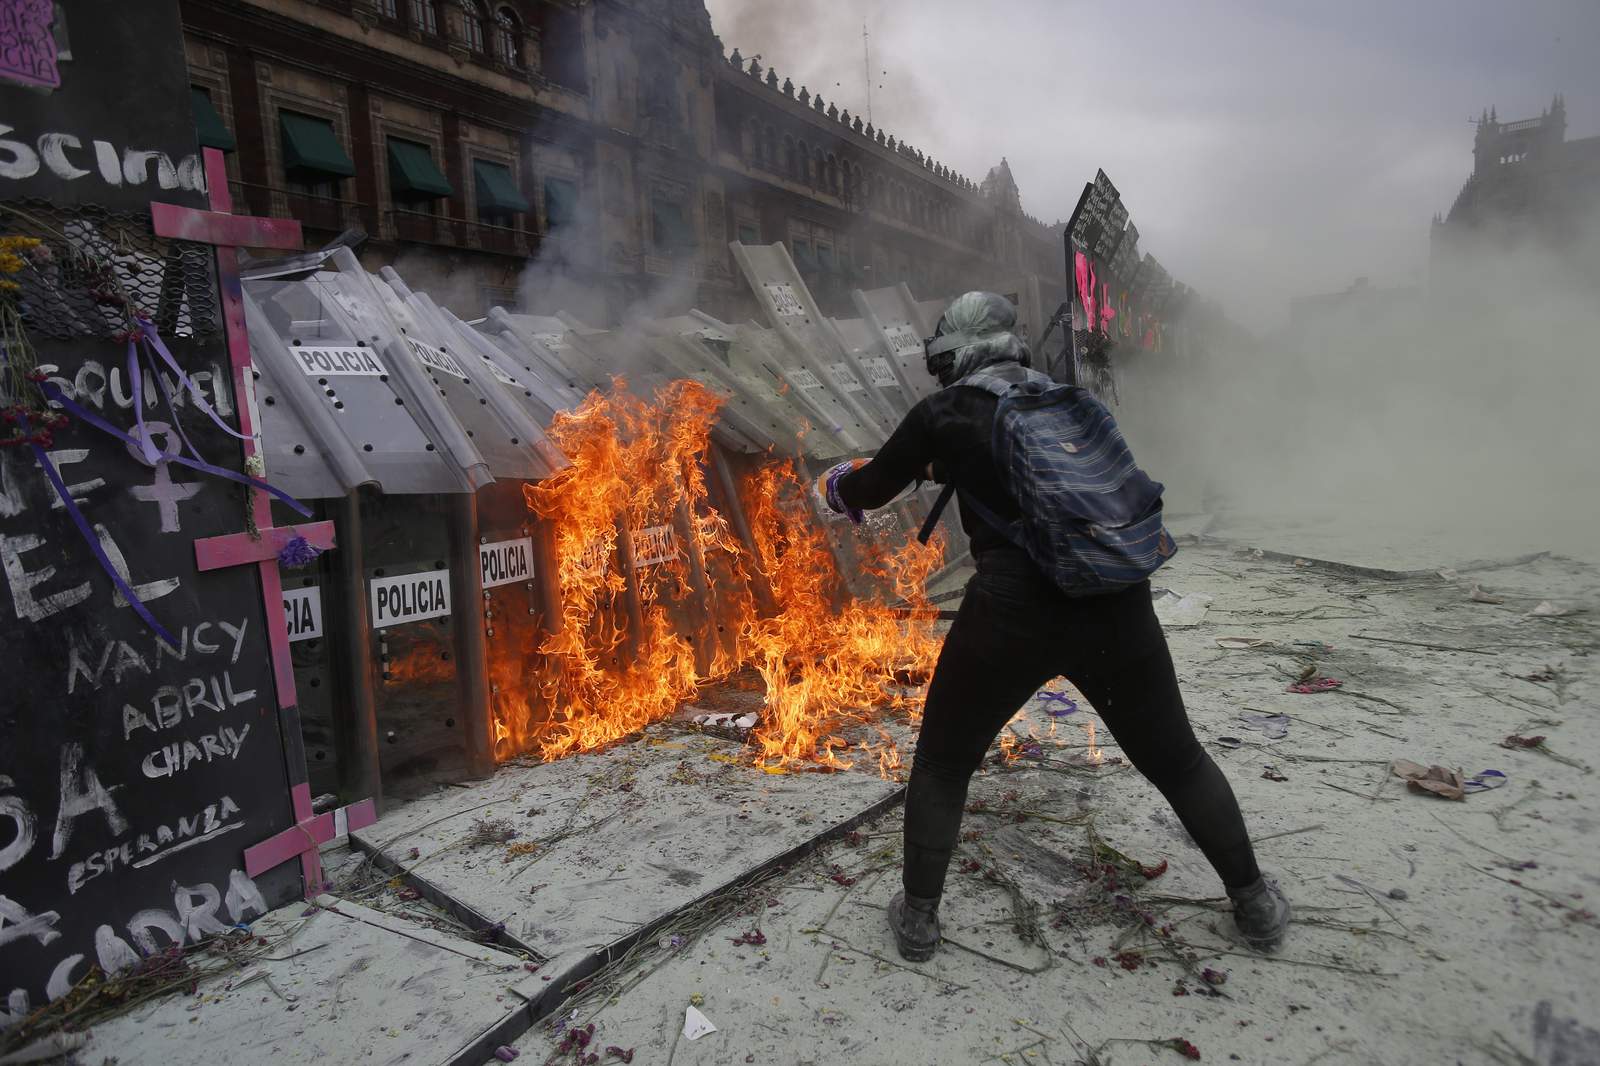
{"points": [[1528, 183], [597, 154]]}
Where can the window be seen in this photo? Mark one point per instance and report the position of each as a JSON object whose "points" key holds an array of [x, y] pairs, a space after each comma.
{"points": [[313, 160], [562, 47], [508, 37], [472, 25], [825, 258], [670, 231], [499, 199], [388, 9], [425, 16], [802, 255], [560, 203], [208, 125], [749, 234], [415, 181]]}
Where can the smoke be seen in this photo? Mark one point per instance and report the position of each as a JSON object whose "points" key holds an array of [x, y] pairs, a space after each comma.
{"points": [[786, 36], [423, 271], [1421, 426]]}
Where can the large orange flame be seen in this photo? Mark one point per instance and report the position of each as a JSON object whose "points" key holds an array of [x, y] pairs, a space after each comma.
{"points": [[623, 657]]}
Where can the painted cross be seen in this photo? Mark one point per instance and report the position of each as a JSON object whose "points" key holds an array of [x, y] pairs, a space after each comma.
{"points": [[165, 493], [228, 233]]}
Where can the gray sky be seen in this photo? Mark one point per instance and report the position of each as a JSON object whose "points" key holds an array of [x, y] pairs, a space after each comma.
{"points": [[1266, 149]]}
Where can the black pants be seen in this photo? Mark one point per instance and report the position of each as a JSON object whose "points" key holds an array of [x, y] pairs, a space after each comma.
{"points": [[1014, 632]]}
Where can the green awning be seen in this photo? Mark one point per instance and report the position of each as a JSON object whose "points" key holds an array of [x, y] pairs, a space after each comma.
{"points": [[671, 229], [497, 188], [413, 175], [208, 124], [560, 202], [310, 147]]}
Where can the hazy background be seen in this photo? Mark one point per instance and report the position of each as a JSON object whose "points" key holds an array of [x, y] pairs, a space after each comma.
{"points": [[1271, 149], [1314, 138]]}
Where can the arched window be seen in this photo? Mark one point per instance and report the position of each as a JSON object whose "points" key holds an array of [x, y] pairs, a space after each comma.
{"points": [[791, 162], [803, 171], [833, 175], [425, 15], [508, 37], [472, 25]]}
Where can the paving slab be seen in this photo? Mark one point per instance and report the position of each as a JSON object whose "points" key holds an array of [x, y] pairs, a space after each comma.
{"points": [[575, 855], [347, 984], [1426, 930]]}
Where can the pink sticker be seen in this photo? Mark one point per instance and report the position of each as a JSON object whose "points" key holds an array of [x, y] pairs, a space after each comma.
{"points": [[27, 47]]}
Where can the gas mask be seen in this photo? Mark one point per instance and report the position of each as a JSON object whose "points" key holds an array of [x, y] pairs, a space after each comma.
{"points": [[939, 353]]}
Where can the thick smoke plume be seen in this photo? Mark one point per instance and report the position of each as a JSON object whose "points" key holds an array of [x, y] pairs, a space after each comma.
{"points": [[1428, 426]]}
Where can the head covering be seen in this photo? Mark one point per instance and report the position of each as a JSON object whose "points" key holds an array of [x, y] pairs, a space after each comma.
{"points": [[975, 331]]}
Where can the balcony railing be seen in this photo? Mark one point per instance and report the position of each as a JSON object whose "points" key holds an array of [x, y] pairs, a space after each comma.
{"points": [[314, 212]]}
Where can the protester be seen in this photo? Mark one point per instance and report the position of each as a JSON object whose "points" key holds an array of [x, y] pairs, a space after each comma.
{"points": [[1020, 626]]}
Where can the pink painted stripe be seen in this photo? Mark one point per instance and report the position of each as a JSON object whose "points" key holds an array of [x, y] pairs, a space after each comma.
{"points": [[234, 231], [307, 835], [300, 796], [310, 858], [361, 814], [221, 200], [238, 549], [295, 841], [278, 632]]}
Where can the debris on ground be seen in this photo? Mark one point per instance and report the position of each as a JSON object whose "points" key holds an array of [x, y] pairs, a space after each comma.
{"points": [[1174, 610], [1436, 780], [1275, 726], [696, 1024], [487, 831], [1316, 684]]}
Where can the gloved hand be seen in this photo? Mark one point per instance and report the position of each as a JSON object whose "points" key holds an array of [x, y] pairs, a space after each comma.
{"points": [[828, 489]]}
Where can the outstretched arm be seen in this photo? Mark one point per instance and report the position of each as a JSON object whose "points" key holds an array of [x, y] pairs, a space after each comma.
{"points": [[904, 459]]}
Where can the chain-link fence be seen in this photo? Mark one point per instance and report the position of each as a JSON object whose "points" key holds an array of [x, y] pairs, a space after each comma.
{"points": [[70, 286]]}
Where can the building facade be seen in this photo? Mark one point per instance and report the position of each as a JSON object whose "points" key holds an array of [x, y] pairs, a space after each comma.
{"points": [[594, 156], [1529, 184]]}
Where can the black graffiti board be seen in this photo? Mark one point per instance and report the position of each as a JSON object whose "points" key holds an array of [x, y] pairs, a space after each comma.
{"points": [[117, 128], [133, 771], [1100, 218]]}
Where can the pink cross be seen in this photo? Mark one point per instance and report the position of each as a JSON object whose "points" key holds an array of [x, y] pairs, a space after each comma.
{"points": [[227, 232]]}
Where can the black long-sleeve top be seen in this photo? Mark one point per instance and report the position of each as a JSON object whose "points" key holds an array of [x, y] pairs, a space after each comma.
{"points": [[953, 430]]}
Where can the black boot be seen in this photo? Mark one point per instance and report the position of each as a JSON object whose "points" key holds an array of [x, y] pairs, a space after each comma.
{"points": [[1261, 914], [915, 922]]}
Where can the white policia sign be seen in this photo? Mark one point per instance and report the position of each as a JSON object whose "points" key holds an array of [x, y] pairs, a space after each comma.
{"points": [[802, 377], [844, 377], [437, 359], [338, 362], [879, 371], [506, 561], [784, 299], [903, 339], [654, 544], [302, 609], [410, 598]]}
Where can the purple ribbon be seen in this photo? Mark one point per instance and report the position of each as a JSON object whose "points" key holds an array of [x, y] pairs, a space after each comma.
{"points": [[93, 541], [1066, 704], [159, 346], [146, 446], [54, 394]]}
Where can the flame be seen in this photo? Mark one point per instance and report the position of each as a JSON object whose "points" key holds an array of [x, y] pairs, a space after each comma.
{"points": [[1093, 756], [828, 661], [421, 663]]}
